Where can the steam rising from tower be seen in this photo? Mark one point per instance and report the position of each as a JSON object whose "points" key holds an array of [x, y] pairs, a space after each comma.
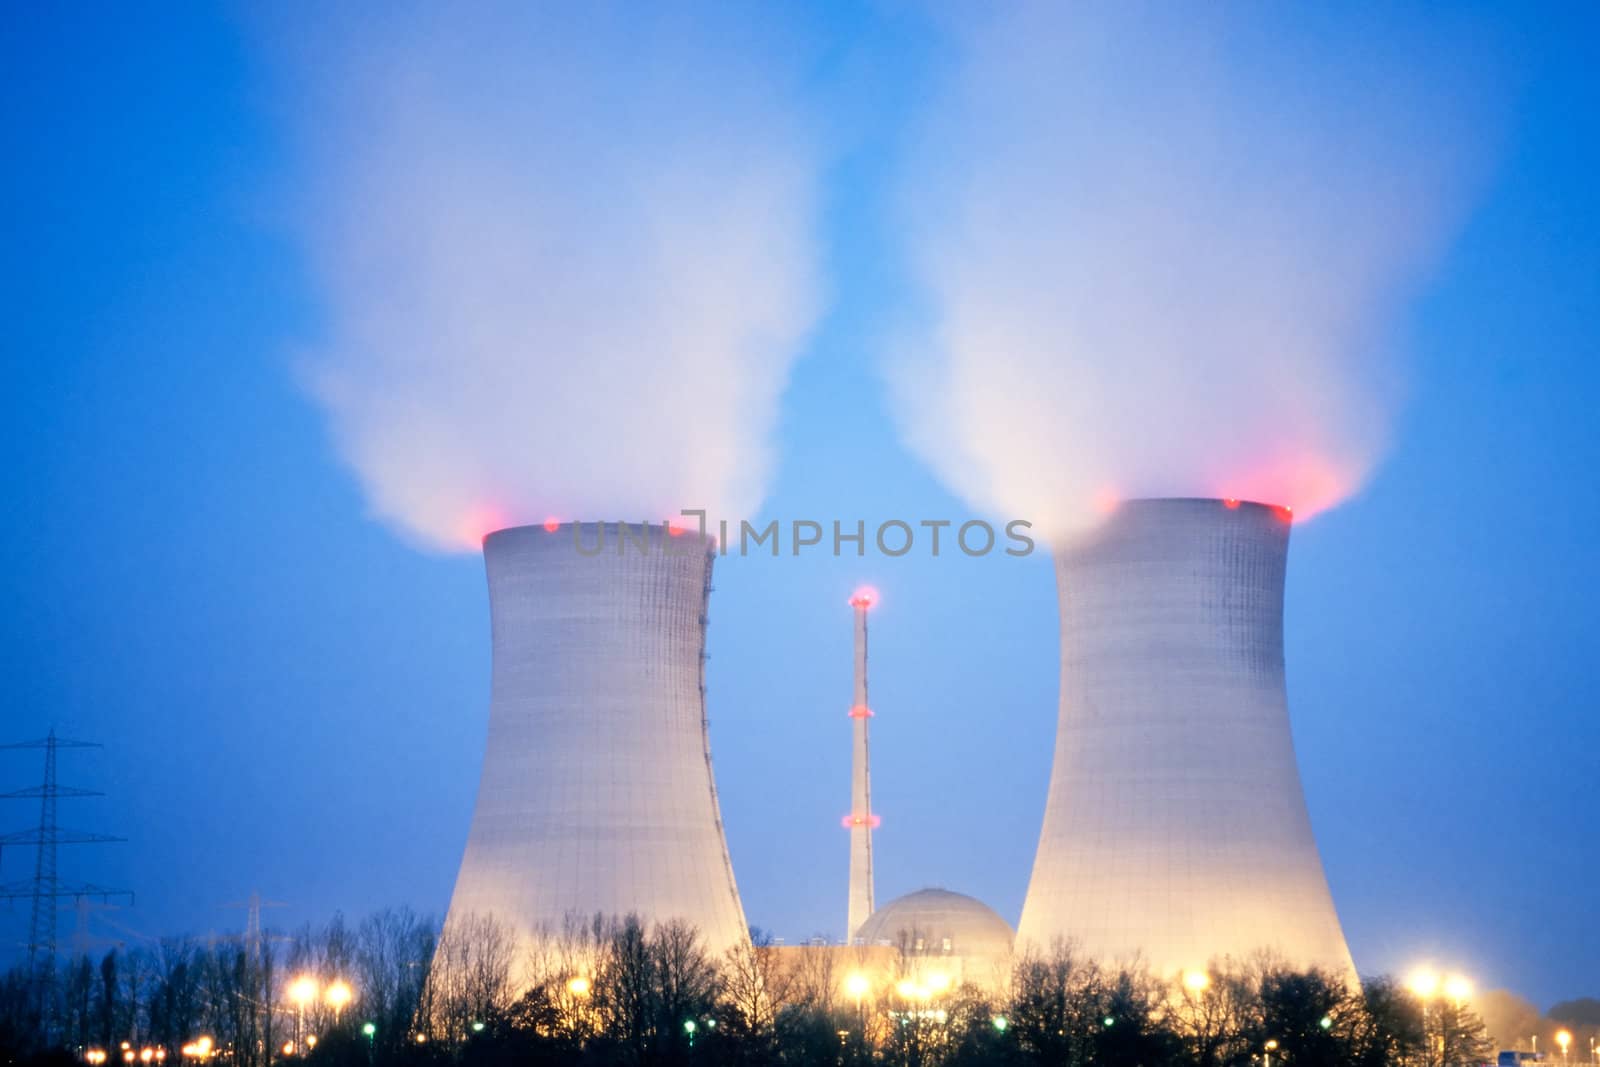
{"points": [[565, 256], [597, 794], [1175, 828], [1165, 257], [861, 820]]}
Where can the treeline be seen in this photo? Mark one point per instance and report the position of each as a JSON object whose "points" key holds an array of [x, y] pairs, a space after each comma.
{"points": [[609, 991]]}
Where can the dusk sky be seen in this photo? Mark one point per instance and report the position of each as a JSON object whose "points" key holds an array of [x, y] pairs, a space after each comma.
{"points": [[208, 572]]}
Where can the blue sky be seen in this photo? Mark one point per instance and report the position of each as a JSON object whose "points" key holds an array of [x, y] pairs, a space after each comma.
{"points": [[294, 700]]}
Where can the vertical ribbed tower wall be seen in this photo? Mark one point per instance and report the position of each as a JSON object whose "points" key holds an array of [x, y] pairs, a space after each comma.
{"points": [[597, 793], [1176, 828]]}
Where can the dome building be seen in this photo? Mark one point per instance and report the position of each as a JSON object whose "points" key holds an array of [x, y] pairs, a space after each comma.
{"points": [[945, 937]]}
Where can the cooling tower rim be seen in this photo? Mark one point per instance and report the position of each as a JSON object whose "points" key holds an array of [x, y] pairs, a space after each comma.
{"points": [[1281, 511], [554, 528]]}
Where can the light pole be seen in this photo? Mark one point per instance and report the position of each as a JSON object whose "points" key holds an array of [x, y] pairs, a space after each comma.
{"points": [[857, 985], [302, 991], [1271, 1047], [1564, 1039]]}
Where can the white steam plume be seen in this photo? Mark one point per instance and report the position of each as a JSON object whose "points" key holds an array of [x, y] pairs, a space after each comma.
{"points": [[1163, 249], [565, 254]]}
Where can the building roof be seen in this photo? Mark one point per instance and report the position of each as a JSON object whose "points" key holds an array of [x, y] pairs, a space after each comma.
{"points": [[934, 915]]}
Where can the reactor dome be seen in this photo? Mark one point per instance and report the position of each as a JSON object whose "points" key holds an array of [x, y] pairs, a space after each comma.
{"points": [[937, 922]]}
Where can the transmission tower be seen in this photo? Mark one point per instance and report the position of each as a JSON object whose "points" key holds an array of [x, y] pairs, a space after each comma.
{"points": [[45, 888], [253, 937]]}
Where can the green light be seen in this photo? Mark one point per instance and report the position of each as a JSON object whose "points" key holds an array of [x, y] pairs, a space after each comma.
{"points": [[1327, 1022], [688, 1026], [1000, 1023], [1109, 1021], [369, 1028], [477, 1027]]}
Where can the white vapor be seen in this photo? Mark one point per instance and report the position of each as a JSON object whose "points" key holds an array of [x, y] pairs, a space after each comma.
{"points": [[1163, 248], [564, 251]]}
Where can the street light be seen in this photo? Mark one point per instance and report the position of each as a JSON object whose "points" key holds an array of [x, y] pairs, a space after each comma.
{"points": [[1424, 982], [302, 991], [1271, 1047], [1196, 981], [1458, 989], [1564, 1039], [338, 995], [578, 986]]}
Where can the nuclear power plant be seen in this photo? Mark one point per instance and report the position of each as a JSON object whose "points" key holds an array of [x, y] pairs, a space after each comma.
{"points": [[596, 795], [1175, 830], [1174, 833]]}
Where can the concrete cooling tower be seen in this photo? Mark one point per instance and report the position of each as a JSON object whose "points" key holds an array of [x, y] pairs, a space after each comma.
{"points": [[597, 794], [1175, 829]]}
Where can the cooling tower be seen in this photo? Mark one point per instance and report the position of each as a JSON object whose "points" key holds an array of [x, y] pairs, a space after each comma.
{"points": [[1176, 830], [597, 794]]}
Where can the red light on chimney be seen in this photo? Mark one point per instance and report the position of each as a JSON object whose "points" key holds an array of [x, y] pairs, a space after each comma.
{"points": [[850, 822], [861, 711], [1285, 513], [1231, 504], [674, 530], [865, 597], [552, 524]]}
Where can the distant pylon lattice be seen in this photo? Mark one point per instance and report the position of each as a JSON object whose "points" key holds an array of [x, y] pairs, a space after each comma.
{"points": [[45, 888]]}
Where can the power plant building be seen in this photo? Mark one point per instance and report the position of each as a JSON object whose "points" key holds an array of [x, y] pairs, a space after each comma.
{"points": [[597, 795], [1175, 829]]}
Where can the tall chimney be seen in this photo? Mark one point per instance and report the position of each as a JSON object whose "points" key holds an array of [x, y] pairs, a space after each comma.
{"points": [[1176, 829], [861, 820], [597, 794]]}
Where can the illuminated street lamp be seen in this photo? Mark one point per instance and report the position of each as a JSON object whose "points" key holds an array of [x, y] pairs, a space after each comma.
{"points": [[338, 994], [1458, 989], [1271, 1046], [578, 986], [1424, 982], [1196, 981], [302, 991], [1564, 1039]]}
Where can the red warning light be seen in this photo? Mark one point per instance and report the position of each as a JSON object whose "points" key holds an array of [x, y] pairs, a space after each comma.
{"points": [[861, 711], [1285, 513], [1231, 504], [552, 524], [865, 597], [674, 530], [850, 822]]}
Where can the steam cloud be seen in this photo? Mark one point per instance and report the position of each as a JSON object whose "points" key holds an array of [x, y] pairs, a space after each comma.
{"points": [[566, 257], [1164, 250]]}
